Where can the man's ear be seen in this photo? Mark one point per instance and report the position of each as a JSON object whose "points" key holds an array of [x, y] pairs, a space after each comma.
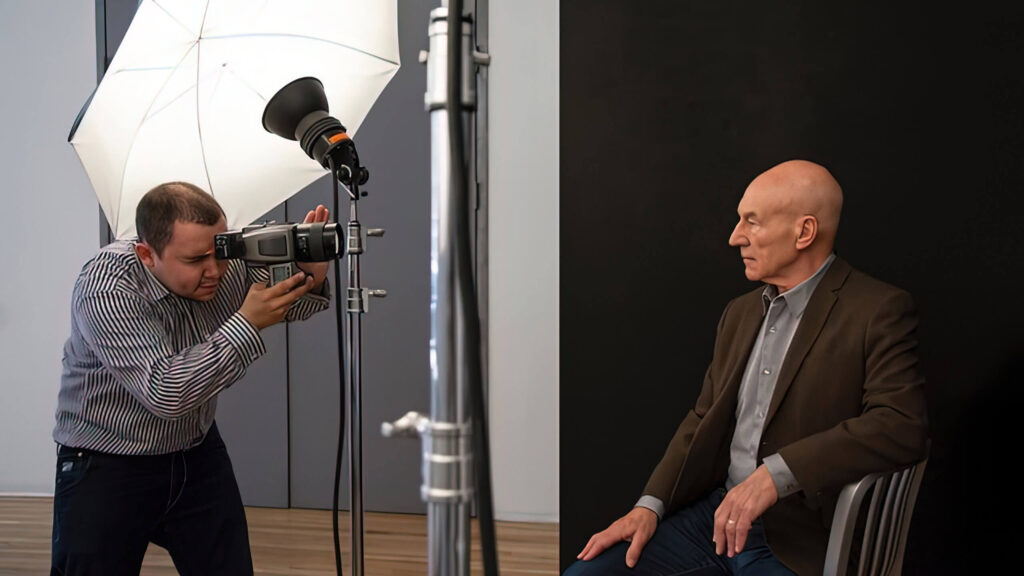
{"points": [[146, 253], [807, 232]]}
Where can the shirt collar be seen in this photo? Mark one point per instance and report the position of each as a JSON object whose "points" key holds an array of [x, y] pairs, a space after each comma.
{"points": [[798, 296]]}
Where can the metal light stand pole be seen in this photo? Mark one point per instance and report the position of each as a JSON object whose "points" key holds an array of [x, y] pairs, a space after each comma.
{"points": [[448, 486], [356, 304]]}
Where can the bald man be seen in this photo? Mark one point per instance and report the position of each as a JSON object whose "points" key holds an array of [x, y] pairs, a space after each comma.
{"points": [[814, 383]]}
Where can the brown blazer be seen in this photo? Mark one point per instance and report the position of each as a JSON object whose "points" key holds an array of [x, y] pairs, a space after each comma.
{"points": [[849, 401]]}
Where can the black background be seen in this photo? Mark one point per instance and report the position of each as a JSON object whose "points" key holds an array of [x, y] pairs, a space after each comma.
{"points": [[668, 110]]}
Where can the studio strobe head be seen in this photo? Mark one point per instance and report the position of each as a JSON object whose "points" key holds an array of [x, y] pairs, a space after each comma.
{"points": [[299, 111]]}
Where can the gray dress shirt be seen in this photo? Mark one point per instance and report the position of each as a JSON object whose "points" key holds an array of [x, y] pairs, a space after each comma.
{"points": [[782, 314]]}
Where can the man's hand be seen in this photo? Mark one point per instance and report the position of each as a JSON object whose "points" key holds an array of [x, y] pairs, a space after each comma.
{"points": [[317, 269], [265, 306], [740, 507], [637, 527]]}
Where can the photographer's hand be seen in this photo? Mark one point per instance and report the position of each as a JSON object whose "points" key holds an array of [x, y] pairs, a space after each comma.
{"points": [[317, 269], [265, 306]]}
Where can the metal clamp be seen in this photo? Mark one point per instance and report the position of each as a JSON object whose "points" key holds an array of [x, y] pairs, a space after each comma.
{"points": [[447, 457], [436, 59], [358, 299], [409, 426]]}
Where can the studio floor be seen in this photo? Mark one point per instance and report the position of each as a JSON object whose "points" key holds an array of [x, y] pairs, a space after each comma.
{"points": [[297, 542]]}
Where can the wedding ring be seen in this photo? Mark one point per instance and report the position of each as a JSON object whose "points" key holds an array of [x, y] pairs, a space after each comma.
{"points": [[730, 521]]}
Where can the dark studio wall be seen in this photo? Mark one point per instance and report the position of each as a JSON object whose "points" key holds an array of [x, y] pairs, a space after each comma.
{"points": [[668, 109]]}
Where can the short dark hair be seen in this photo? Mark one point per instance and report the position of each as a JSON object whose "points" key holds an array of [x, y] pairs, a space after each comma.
{"points": [[171, 202]]}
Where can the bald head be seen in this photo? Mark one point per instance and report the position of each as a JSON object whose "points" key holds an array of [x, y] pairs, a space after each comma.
{"points": [[789, 216], [800, 188]]}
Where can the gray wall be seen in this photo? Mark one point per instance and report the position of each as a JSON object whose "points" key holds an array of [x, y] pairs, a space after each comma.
{"points": [[524, 239], [252, 416], [393, 144], [46, 184], [523, 331], [47, 55]]}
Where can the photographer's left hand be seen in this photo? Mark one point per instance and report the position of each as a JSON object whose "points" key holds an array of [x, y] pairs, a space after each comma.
{"points": [[317, 269]]}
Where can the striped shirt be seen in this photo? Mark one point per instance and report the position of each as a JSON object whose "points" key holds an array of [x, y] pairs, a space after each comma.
{"points": [[143, 366]]}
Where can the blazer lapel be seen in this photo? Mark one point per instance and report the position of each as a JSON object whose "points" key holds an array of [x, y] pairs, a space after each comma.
{"points": [[703, 467], [813, 321], [746, 332]]}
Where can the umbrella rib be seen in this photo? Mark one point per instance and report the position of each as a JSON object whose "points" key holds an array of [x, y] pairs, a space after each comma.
{"points": [[199, 125], [172, 17], [305, 37], [149, 108], [124, 169]]}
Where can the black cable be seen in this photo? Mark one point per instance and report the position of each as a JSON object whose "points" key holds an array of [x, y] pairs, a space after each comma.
{"points": [[466, 290], [341, 375]]}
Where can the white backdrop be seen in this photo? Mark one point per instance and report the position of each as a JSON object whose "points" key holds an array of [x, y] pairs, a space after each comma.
{"points": [[524, 258], [50, 216]]}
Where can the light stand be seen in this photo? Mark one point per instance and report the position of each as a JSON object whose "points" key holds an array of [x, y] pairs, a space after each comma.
{"points": [[455, 444], [298, 111], [356, 304]]}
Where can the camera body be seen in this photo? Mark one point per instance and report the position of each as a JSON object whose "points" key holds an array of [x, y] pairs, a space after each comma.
{"points": [[279, 246]]}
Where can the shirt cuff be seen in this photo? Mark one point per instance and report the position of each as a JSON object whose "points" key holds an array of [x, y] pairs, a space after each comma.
{"points": [[785, 482], [244, 338], [652, 503]]}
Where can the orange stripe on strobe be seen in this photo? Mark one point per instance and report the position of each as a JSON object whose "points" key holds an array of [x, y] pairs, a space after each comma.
{"points": [[337, 137]]}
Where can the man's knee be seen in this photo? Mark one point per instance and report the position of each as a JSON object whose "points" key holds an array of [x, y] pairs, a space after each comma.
{"points": [[593, 567], [610, 562]]}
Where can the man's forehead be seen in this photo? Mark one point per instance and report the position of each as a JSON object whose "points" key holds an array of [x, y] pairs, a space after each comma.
{"points": [[760, 199], [194, 238]]}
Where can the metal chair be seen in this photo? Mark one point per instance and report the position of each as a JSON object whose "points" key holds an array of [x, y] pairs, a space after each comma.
{"points": [[885, 528]]}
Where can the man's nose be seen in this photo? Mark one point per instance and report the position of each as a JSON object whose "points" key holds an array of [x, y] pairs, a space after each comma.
{"points": [[737, 238], [215, 268]]}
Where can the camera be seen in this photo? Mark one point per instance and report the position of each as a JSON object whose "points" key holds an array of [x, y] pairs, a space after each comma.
{"points": [[279, 246]]}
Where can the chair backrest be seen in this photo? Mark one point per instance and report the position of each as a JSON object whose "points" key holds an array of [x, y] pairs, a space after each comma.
{"points": [[885, 526]]}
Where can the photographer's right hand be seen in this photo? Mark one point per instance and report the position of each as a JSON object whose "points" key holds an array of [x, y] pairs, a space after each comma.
{"points": [[265, 306]]}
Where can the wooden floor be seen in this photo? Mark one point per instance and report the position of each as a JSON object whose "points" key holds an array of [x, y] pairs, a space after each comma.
{"points": [[298, 542]]}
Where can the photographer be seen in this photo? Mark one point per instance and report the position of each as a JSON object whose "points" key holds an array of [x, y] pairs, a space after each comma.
{"points": [[159, 327]]}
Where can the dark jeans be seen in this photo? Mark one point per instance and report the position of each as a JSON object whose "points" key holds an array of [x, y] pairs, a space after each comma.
{"points": [[682, 546], [107, 509]]}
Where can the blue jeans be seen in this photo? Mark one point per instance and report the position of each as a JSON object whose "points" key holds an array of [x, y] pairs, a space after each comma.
{"points": [[682, 546], [108, 508]]}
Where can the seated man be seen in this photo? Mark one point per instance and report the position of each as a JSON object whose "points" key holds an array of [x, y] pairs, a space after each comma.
{"points": [[813, 384], [159, 327]]}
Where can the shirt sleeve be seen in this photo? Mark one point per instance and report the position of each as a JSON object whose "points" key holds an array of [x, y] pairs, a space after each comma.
{"points": [[133, 345], [652, 503], [309, 304], [785, 481]]}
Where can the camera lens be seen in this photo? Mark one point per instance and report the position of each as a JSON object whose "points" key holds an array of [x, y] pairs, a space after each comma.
{"points": [[317, 242]]}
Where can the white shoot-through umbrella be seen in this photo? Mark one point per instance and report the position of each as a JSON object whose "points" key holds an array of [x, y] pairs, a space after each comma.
{"points": [[183, 98]]}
